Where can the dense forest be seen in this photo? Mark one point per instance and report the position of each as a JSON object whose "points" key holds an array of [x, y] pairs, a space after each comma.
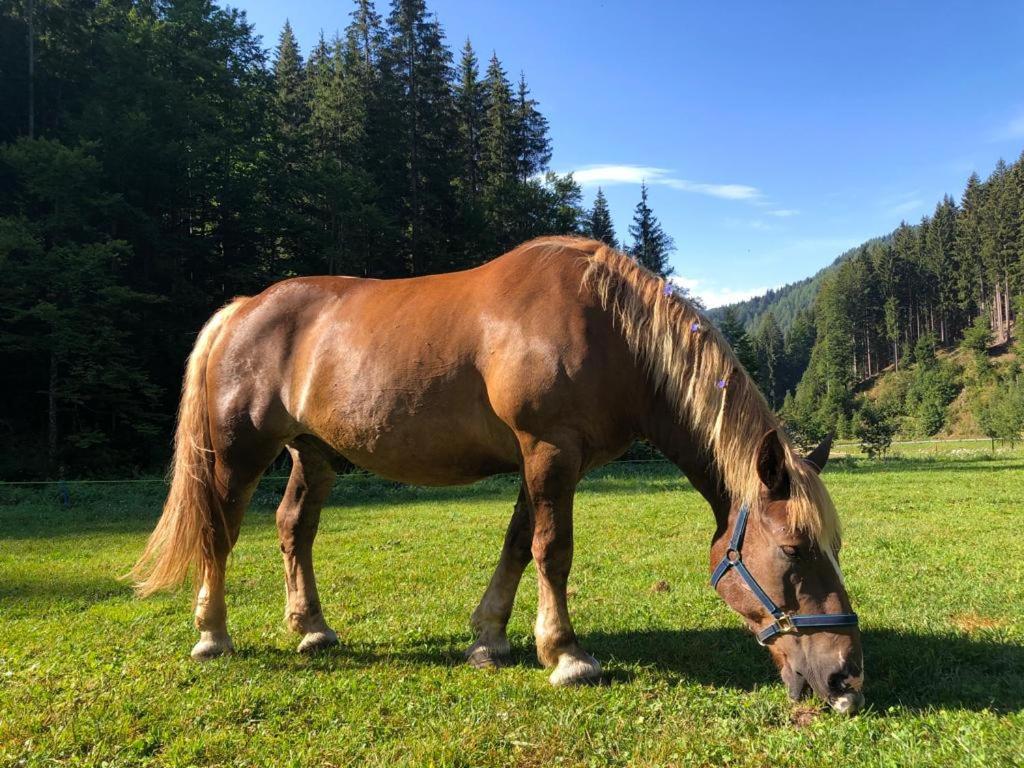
{"points": [[156, 160], [901, 304]]}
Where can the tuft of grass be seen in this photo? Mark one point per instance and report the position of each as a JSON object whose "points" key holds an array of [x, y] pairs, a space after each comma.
{"points": [[91, 676]]}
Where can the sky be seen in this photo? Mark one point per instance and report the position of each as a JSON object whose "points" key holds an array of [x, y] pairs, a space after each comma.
{"points": [[773, 136]]}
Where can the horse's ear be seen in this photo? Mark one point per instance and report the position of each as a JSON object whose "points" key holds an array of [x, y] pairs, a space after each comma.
{"points": [[819, 456], [771, 464]]}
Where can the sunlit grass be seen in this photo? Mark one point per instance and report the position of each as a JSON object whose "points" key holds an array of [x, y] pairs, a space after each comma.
{"points": [[933, 557]]}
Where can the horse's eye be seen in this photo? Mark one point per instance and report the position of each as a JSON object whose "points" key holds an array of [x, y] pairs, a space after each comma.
{"points": [[793, 553]]}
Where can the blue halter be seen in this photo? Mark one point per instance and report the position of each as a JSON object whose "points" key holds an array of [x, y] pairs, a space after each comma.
{"points": [[784, 623]]}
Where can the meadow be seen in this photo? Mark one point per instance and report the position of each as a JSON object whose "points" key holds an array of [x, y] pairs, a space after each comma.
{"points": [[933, 557]]}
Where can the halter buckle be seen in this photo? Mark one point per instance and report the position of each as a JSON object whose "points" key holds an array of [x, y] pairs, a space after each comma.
{"points": [[785, 624], [733, 556]]}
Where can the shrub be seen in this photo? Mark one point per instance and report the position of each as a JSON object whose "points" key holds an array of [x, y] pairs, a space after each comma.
{"points": [[874, 429]]}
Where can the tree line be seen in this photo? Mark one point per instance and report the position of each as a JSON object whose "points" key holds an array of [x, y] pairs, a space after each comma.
{"points": [[156, 160]]}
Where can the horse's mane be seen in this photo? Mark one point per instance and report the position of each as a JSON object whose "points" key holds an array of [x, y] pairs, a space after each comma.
{"points": [[688, 366]]}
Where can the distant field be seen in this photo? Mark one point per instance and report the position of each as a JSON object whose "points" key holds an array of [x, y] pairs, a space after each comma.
{"points": [[933, 557]]}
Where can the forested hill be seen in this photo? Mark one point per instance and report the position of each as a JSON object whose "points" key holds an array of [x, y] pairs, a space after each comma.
{"points": [[784, 303], [954, 281]]}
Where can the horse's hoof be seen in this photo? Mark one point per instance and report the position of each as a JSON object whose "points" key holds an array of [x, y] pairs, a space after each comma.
{"points": [[576, 668], [318, 641], [211, 647], [483, 656]]}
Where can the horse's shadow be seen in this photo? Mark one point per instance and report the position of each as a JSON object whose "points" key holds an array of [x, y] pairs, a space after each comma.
{"points": [[908, 670]]}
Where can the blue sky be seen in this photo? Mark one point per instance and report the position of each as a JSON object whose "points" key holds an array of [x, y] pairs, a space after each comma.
{"points": [[773, 135]]}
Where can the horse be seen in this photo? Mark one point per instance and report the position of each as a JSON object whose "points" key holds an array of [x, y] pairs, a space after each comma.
{"points": [[548, 361]]}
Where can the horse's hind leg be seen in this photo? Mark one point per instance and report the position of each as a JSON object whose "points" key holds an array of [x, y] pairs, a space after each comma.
{"points": [[297, 519], [490, 619], [236, 478]]}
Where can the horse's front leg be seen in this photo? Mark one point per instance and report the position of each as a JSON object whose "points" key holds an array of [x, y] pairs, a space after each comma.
{"points": [[551, 475], [490, 619]]}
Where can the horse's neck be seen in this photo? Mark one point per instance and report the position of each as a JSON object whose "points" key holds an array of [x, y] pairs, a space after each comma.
{"points": [[663, 428]]}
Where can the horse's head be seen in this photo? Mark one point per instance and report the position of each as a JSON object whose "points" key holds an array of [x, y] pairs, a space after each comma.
{"points": [[789, 588]]}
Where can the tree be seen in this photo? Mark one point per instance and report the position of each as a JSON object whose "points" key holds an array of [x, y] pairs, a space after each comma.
{"points": [[530, 141], [874, 430], [599, 221], [67, 315], [769, 349], [418, 65], [651, 245], [736, 335]]}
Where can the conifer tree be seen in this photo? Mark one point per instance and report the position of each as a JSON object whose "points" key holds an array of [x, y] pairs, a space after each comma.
{"points": [[288, 80], [599, 221], [531, 144], [470, 106], [419, 65], [651, 244], [736, 335], [498, 138]]}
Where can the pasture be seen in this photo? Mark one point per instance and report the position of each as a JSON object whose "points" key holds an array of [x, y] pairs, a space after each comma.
{"points": [[933, 558]]}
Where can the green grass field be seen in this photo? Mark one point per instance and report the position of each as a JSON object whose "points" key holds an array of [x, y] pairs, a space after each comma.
{"points": [[91, 676]]}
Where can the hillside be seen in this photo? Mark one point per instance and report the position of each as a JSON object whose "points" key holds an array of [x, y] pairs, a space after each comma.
{"points": [[947, 393], [789, 300]]}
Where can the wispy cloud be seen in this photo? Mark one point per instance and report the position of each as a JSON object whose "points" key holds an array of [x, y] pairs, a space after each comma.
{"points": [[716, 296], [608, 175], [783, 213], [902, 203], [906, 207], [1011, 129]]}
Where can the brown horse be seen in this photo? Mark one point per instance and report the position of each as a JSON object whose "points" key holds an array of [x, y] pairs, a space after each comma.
{"points": [[548, 361]]}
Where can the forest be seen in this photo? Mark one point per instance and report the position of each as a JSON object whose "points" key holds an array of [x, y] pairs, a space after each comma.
{"points": [[932, 306], [156, 160]]}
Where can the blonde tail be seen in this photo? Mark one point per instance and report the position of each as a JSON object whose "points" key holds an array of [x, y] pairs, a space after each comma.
{"points": [[184, 536]]}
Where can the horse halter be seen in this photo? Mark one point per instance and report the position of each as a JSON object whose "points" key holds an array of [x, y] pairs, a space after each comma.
{"points": [[784, 623]]}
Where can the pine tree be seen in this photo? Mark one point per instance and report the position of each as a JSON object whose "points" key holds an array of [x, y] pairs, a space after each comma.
{"points": [[736, 335], [419, 66], [769, 349], [498, 138], [971, 284], [288, 80], [531, 144], [469, 105], [599, 221], [651, 244]]}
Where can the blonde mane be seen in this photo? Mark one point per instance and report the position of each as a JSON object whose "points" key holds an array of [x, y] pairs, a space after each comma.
{"points": [[689, 367]]}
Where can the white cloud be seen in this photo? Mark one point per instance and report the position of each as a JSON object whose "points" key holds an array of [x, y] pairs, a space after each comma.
{"points": [[714, 296], [608, 175], [905, 207], [784, 213], [1012, 129]]}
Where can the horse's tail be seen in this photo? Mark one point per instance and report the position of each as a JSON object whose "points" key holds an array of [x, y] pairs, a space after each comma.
{"points": [[184, 536]]}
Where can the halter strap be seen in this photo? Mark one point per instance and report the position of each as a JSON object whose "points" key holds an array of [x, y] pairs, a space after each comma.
{"points": [[783, 623]]}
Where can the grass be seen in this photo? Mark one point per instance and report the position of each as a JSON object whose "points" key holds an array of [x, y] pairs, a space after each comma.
{"points": [[91, 676]]}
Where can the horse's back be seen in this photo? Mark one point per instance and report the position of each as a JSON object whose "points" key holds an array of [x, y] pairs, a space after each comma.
{"points": [[431, 379]]}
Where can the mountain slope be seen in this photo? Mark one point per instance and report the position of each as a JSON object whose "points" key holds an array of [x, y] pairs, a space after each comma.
{"points": [[789, 300]]}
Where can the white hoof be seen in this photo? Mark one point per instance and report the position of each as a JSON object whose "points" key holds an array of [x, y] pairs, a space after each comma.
{"points": [[575, 668], [318, 641], [212, 645], [488, 656]]}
